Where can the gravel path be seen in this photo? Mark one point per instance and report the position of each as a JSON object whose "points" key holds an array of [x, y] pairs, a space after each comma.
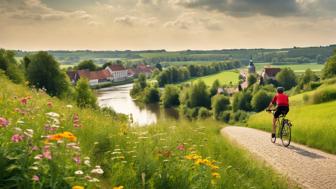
{"points": [[308, 167]]}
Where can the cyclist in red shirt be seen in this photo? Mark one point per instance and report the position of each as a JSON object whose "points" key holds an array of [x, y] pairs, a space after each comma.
{"points": [[282, 106]]}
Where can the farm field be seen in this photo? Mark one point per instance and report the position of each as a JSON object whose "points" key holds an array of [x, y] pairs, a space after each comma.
{"points": [[296, 67], [179, 63], [225, 77]]}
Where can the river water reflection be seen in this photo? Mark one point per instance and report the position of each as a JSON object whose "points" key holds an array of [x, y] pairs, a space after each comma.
{"points": [[119, 99]]}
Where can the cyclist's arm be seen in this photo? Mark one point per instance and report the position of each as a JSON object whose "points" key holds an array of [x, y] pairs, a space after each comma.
{"points": [[272, 103]]}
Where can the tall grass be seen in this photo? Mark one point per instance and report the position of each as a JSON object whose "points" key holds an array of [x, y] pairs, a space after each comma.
{"points": [[314, 125], [166, 155]]}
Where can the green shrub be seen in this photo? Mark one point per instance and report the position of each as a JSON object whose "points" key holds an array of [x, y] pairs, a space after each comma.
{"points": [[242, 101], [324, 95], [329, 69], [84, 95], [260, 100], [219, 104], [152, 95], [170, 96], [44, 71], [240, 116], [225, 116], [286, 78], [203, 113]]}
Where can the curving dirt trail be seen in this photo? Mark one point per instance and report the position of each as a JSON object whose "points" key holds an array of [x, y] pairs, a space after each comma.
{"points": [[308, 167]]}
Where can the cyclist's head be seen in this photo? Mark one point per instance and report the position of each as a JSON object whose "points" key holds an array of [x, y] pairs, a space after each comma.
{"points": [[280, 89]]}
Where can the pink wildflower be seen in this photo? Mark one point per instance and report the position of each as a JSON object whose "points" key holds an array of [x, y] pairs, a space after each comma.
{"points": [[47, 153], [50, 104], [24, 101], [34, 148], [3, 122], [36, 178], [180, 147], [76, 120], [17, 138], [77, 159]]}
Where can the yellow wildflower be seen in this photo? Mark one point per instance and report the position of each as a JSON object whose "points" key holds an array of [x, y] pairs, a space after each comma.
{"points": [[77, 187], [215, 175], [118, 187]]}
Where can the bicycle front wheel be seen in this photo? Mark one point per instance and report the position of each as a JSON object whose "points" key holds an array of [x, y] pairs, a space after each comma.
{"points": [[286, 134]]}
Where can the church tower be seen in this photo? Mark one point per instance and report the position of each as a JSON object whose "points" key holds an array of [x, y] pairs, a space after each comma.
{"points": [[251, 67]]}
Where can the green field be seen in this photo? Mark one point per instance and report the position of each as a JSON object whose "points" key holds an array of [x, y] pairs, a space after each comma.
{"points": [[299, 68], [225, 77], [179, 63], [314, 124], [108, 153]]}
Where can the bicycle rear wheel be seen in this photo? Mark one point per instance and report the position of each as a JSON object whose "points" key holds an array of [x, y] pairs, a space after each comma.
{"points": [[286, 133]]}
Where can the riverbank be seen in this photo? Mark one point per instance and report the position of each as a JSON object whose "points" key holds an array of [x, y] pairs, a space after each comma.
{"points": [[111, 84]]}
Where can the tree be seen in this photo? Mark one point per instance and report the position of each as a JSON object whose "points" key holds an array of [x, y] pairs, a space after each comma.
{"points": [[260, 100], [214, 87], [329, 69], [10, 66], [251, 79], [199, 95], [219, 103], [152, 95], [170, 96], [241, 101], [158, 66], [286, 78], [308, 77], [142, 81], [44, 71], [106, 64], [85, 98], [87, 64]]}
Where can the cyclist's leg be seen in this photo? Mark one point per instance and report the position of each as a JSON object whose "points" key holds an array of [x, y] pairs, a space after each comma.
{"points": [[275, 118]]}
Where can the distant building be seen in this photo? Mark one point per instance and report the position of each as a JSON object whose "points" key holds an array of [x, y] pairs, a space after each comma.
{"points": [[251, 67], [270, 73], [147, 70], [117, 72], [94, 77]]}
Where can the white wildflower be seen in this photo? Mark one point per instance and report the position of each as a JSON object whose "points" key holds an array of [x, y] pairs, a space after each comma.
{"points": [[52, 114], [79, 172], [69, 106]]}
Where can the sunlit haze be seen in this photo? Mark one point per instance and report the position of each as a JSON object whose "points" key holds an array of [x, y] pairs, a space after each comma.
{"points": [[165, 24]]}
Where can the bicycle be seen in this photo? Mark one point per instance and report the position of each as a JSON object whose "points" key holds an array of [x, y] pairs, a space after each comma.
{"points": [[284, 129]]}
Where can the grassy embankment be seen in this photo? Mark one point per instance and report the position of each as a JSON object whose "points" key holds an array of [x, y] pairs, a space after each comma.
{"points": [[150, 157], [314, 124], [224, 77]]}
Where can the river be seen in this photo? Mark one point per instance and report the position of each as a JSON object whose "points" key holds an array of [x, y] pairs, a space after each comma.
{"points": [[118, 98]]}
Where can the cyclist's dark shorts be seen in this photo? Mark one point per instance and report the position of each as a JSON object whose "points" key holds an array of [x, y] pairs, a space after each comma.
{"points": [[281, 110]]}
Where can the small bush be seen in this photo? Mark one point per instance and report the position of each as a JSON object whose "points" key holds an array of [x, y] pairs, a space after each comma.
{"points": [[152, 95], [324, 95], [225, 116], [203, 113], [240, 116], [260, 100], [220, 103], [170, 96]]}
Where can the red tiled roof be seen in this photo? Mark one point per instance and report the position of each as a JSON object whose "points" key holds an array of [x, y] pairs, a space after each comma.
{"points": [[142, 68], [116, 67], [91, 75], [271, 72]]}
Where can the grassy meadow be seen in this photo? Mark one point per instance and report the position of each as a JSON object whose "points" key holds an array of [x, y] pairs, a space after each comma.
{"points": [[225, 77], [65, 147], [298, 68], [314, 124]]}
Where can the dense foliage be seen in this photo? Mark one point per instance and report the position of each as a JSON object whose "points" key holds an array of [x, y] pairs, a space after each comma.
{"points": [[170, 96], [286, 78], [330, 67], [86, 64], [84, 95], [44, 72], [9, 65]]}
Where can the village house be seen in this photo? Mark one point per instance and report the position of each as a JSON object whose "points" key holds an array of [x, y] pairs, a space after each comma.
{"points": [[147, 70], [117, 72], [94, 77], [270, 73]]}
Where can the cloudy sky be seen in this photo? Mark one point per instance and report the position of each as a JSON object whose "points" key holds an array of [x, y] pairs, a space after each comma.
{"points": [[165, 24]]}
